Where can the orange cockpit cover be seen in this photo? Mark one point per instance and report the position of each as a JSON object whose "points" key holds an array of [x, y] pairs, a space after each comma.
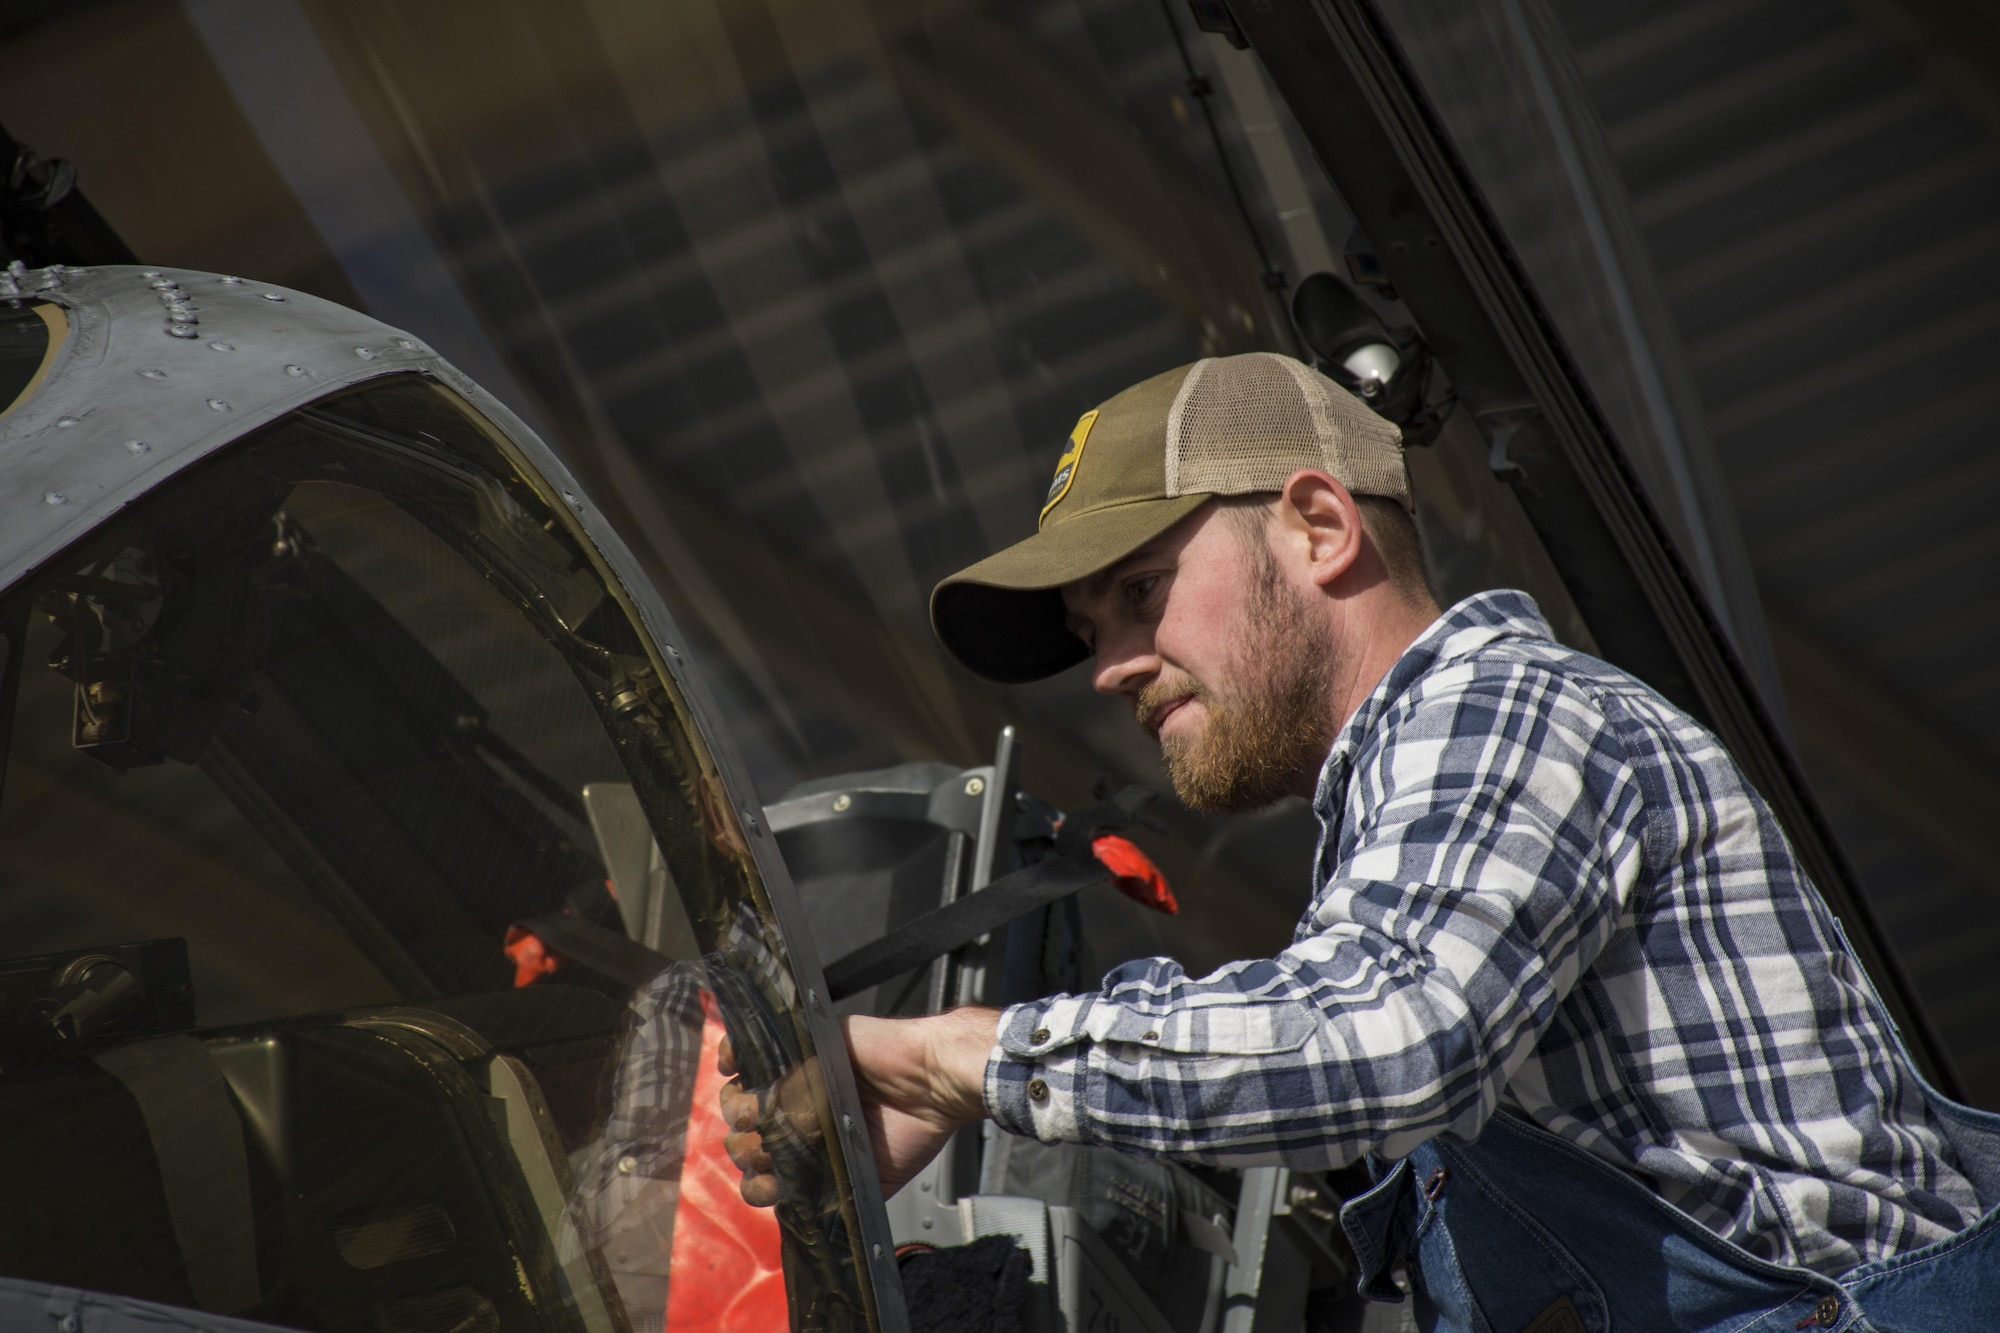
{"points": [[726, 1276]]}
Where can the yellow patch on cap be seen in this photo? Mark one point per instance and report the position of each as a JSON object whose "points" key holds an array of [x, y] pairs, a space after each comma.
{"points": [[1066, 465]]}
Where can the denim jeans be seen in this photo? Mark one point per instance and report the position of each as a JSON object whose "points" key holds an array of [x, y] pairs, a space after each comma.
{"points": [[1520, 1231]]}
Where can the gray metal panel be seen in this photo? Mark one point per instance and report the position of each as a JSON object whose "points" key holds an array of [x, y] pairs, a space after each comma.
{"points": [[127, 405], [50, 1309]]}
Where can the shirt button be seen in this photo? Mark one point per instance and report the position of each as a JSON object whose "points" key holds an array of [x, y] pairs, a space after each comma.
{"points": [[1151, 1036], [1038, 1036], [627, 1165], [1038, 1091]]}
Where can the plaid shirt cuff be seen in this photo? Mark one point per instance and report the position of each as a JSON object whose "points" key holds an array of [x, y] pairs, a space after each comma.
{"points": [[1034, 1077]]}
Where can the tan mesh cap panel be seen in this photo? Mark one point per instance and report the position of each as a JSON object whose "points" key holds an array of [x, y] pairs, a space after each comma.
{"points": [[1246, 423]]}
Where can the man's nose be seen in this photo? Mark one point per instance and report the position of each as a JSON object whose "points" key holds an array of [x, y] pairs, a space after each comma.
{"points": [[1124, 663]]}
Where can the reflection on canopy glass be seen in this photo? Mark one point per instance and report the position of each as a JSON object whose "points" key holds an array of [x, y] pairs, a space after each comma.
{"points": [[375, 914]]}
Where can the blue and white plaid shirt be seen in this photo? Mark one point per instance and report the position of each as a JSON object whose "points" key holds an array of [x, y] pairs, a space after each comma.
{"points": [[1539, 887]]}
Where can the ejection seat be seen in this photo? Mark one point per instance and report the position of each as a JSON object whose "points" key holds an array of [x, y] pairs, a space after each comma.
{"points": [[388, 1170], [1151, 1245]]}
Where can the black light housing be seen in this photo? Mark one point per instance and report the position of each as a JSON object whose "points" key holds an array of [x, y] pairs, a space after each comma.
{"points": [[1348, 343]]}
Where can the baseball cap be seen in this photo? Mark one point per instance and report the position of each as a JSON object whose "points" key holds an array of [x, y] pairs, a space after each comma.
{"points": [[1141, 462]]}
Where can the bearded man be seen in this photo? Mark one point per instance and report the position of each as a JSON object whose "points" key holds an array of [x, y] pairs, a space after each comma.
{"points": [[1561, 980]]}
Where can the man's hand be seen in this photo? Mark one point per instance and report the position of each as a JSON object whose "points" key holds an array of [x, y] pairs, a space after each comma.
{"points": [[920, 1079], [784, 1108]]}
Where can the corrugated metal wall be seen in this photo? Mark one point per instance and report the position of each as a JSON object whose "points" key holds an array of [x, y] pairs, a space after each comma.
{"points": [[1826, 229]]}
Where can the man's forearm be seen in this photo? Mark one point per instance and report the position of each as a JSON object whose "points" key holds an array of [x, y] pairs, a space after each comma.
{"points": [[960, 1042]]}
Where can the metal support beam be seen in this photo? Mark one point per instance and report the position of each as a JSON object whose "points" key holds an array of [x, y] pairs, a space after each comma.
{"points": [[1265, 1289]]}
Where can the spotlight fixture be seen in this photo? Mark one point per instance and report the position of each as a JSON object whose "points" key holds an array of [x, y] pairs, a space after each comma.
{"points": [[1348, 343]]}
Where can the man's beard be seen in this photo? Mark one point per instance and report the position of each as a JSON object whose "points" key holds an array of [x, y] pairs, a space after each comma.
{"points": [[1260, 738]]}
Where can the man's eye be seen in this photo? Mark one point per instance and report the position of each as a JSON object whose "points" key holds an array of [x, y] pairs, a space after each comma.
{"points": [[1138, 591]]}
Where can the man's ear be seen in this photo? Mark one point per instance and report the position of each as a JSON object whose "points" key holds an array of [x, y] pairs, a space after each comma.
{"points": [[1320, 513]]}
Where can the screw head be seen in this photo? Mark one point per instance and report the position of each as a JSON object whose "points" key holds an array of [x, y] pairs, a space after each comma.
{"points": [[974, 786], [136, 447], [842, 802]]}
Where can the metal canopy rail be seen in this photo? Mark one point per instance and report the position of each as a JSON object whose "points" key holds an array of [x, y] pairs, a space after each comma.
{"points": [[1395, 167]]}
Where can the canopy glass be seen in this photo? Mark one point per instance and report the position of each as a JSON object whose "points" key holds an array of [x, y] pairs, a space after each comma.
{"points": [[306, 752]]}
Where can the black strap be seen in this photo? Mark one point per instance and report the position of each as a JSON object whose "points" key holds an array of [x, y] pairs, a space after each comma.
{"points": [[1071, 868], [915, 943], [204, 1169], [955, 925], [605, 952], [765, 1046]]}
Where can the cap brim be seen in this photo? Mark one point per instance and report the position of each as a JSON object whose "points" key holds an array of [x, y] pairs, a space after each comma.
{"points": [[1003, 617]]}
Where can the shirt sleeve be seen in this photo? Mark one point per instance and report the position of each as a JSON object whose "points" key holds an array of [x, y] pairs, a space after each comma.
{"points": [[1502, 840]]}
